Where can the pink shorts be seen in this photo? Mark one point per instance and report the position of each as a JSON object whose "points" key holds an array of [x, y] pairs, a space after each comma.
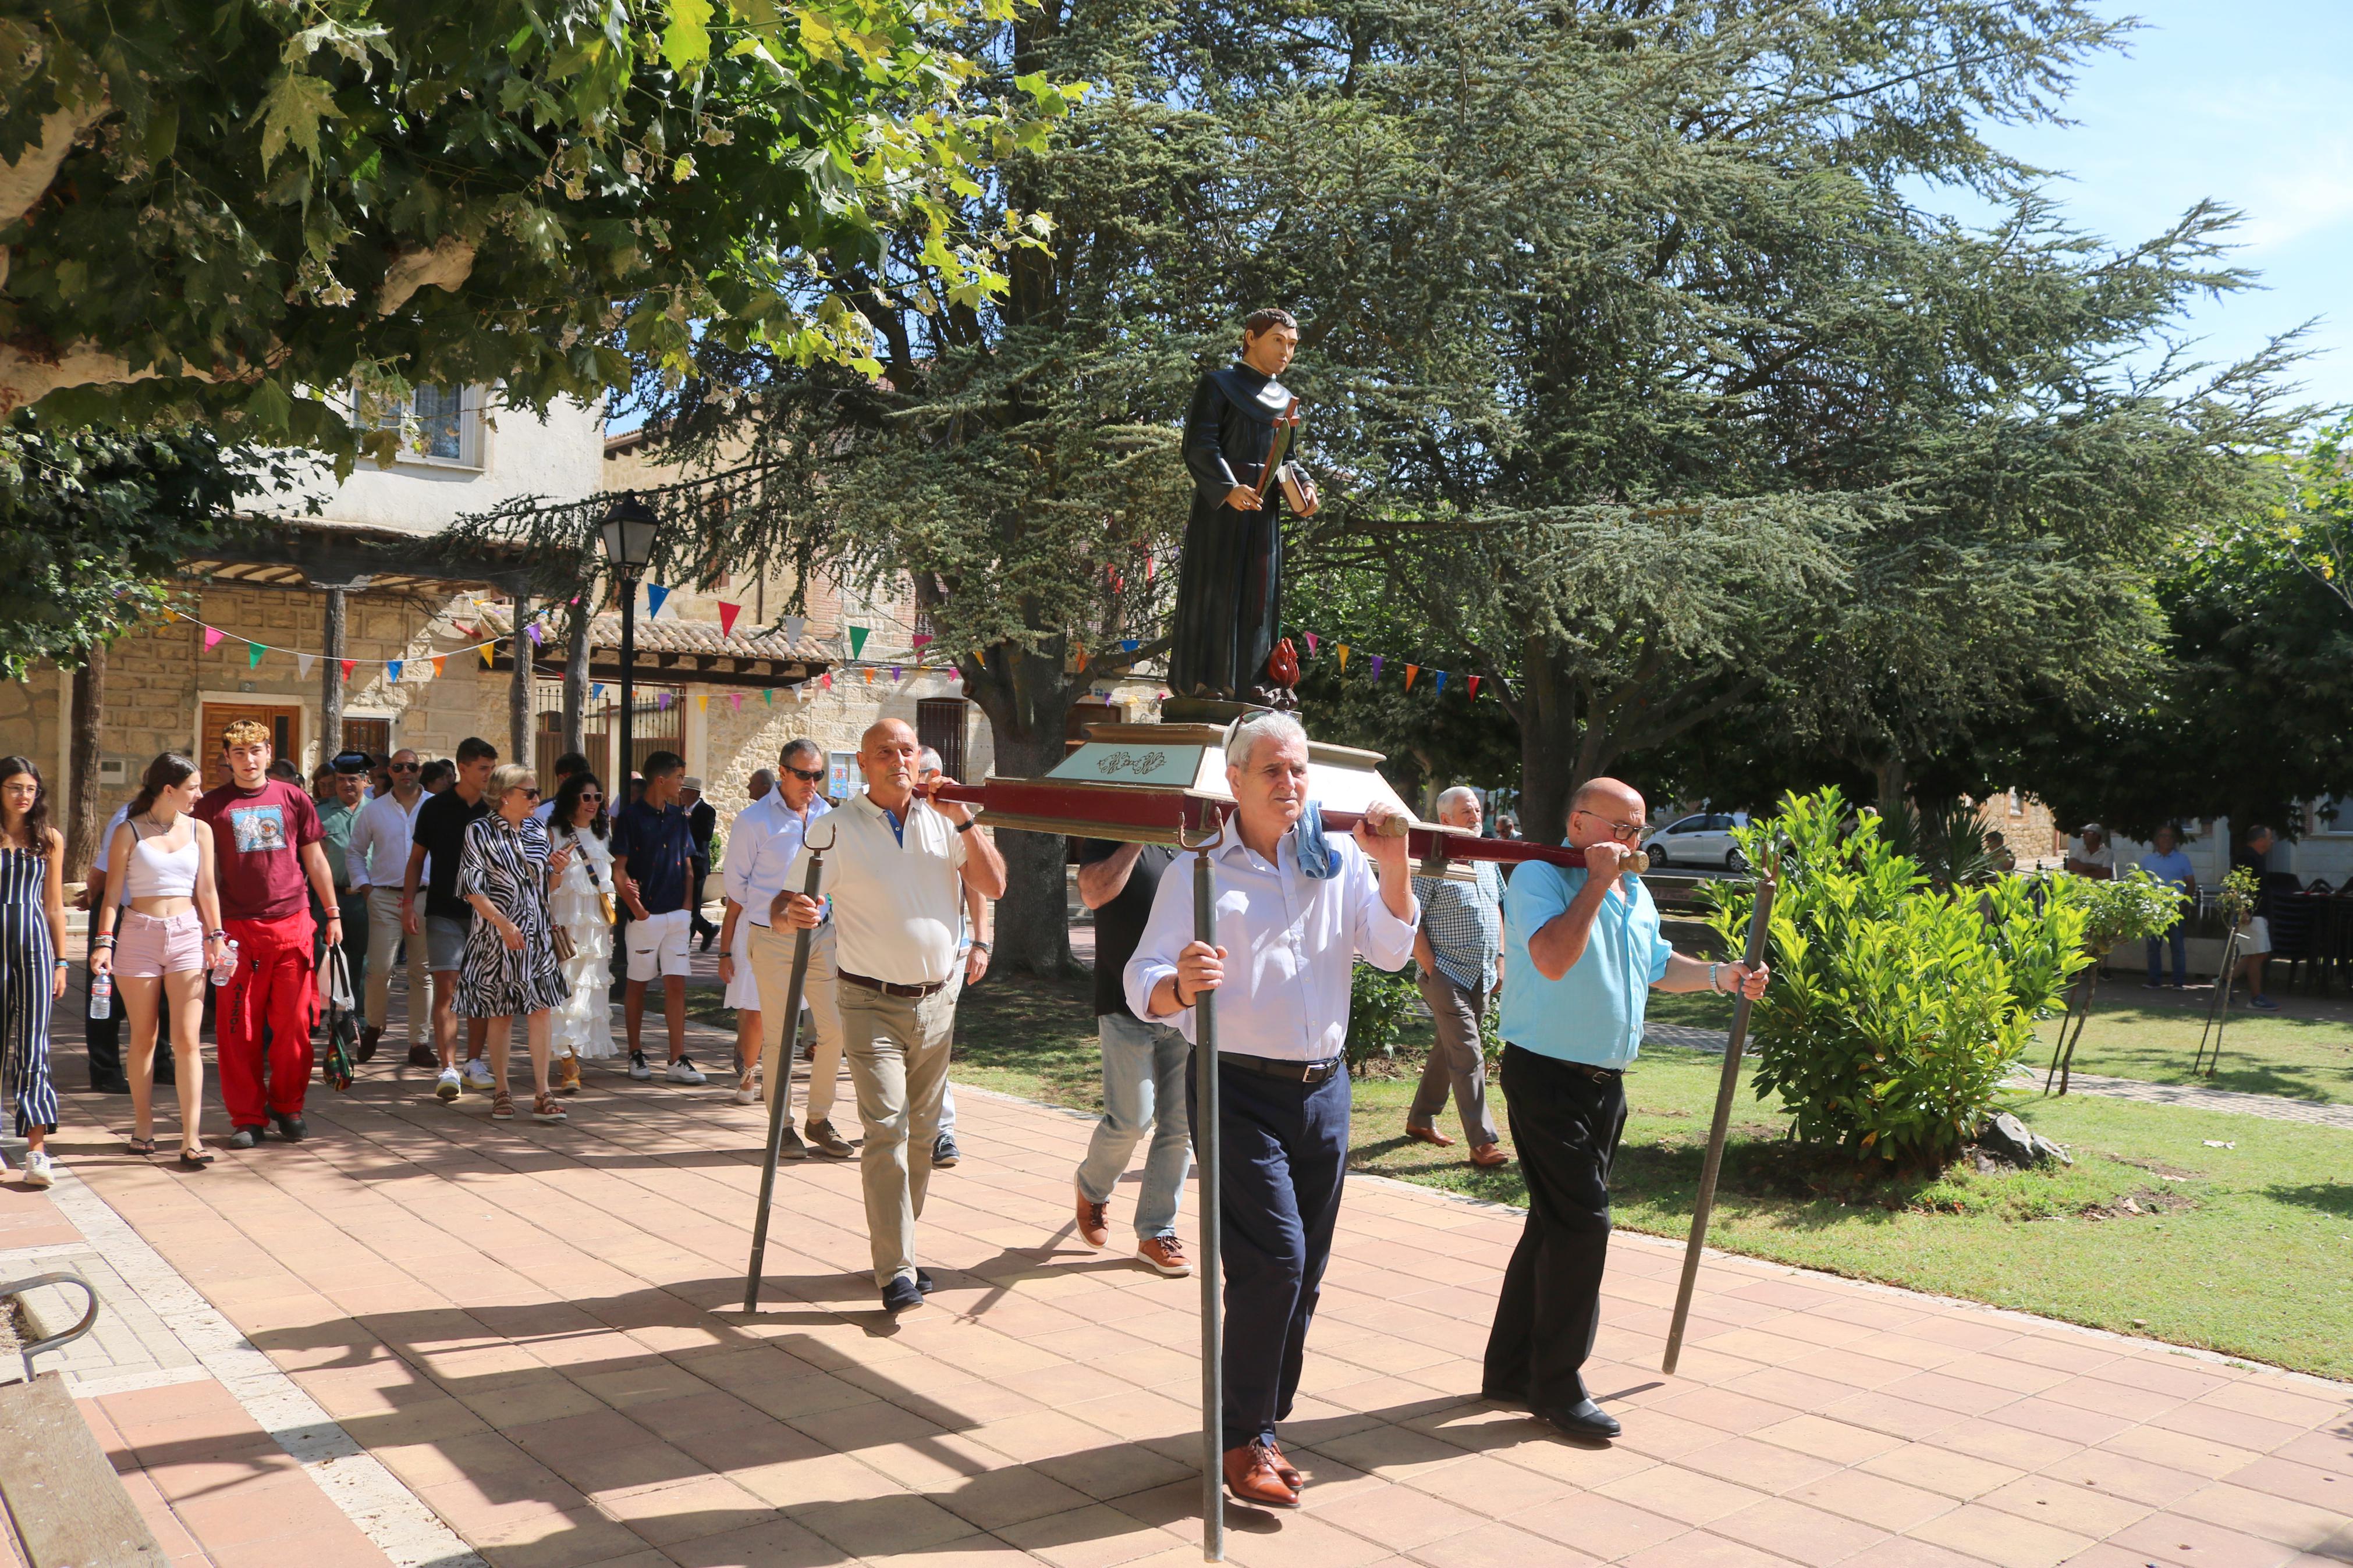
{"points": [[147, 946]]}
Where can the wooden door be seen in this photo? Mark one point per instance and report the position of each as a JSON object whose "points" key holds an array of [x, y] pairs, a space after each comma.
{"points": [[284, 724]]}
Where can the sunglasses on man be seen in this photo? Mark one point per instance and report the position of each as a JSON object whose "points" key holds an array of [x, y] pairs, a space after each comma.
{"points": [[806, 776]]}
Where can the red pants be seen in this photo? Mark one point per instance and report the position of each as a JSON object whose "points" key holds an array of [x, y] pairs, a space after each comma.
{"points": [[275, 985]]}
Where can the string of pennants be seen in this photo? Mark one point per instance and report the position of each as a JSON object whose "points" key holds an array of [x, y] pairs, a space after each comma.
{"points": [[1375, 663]]}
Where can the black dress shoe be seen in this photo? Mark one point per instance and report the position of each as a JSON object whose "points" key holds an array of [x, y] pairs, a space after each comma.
{"points": [[900, 1294], [290, 1127], [1583, 1419], [244, 1138]]}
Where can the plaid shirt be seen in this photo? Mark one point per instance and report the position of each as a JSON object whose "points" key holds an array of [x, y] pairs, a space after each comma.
{"points": [[1465, 924]]}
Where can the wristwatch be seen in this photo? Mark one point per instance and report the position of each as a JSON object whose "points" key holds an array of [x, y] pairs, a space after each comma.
{"points": [[968, 824]]}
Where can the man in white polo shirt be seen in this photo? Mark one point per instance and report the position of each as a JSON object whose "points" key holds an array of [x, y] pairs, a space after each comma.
{"points": [[895, 868], [761, 844]]}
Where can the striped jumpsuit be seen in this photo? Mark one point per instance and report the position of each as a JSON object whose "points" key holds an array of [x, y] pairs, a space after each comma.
{"points": [[27, 971]]}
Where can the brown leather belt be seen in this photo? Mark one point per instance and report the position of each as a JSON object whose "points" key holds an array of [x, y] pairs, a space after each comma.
{"points": [[1308, 1073], [888, 989]]}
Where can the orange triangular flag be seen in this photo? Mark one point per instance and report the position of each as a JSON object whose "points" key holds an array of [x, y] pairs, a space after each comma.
{"points": [[702, 701], [1342, 649], [437, 663], [1411, 671]]}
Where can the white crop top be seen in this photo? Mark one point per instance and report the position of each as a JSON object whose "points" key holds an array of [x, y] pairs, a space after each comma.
{"points": [[155, 872]]}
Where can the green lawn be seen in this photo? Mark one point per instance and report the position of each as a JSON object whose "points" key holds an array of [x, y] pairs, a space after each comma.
{"points": [[2152, 1037], [2246, 1250]]}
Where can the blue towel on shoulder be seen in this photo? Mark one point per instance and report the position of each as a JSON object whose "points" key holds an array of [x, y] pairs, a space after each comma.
{"points": [[1317, 858]]}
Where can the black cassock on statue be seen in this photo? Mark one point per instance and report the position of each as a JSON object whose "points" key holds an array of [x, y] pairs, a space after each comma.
{"points": [[1229, 579]]}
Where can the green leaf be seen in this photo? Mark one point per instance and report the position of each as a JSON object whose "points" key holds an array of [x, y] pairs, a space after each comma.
{"points": [[686, 42], [296, 106]]}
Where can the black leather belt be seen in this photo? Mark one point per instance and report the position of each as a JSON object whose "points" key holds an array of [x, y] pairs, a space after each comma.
{"points": [[888, 989], [1308, 1073], [1582, 1069]]}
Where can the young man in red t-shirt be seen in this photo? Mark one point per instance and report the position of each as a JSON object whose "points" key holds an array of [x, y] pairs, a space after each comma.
{"points": [[267, 844]]}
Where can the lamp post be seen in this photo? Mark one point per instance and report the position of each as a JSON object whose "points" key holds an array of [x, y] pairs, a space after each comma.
{"points": [[629, 533]]}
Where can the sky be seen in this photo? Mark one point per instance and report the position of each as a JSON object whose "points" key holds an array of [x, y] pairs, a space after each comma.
{"points": [[2250, 103]]}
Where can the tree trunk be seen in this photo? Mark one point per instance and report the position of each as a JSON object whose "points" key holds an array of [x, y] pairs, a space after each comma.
{"points": [[1026, 697], [330, 678], [1549, 747], [1894, 785], [575, 673], [83, 816]]}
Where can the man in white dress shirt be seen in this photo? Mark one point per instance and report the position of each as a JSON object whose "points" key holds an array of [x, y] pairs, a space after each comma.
{"points": [[896, 865], [761, 845], [377, 855], [1294, 912]]}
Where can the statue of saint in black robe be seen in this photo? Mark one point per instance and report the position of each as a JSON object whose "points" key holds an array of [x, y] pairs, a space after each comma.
{"points": [[1229, 579]]}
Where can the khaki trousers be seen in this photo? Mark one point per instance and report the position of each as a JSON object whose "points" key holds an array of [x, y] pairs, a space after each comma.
{"points": [[770, 951], [899, 1049], [384, 937]]}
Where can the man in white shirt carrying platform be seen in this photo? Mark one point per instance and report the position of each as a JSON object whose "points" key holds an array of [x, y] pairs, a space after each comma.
{"points": [[1295, 910], [895, 868], [378, 851], [761, 845]]}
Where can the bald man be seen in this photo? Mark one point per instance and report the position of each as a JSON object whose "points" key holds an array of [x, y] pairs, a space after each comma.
{"points": [[896, 866], [1582, 950]]}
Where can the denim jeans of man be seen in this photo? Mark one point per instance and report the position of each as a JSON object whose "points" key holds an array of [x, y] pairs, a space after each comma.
{"points": [[1145, 1067], [2181, 943]]}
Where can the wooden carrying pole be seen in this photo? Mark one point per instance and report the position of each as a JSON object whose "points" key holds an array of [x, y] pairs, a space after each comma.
{"points": [[780, 1089], [1759, 923], [1205, 1163]]}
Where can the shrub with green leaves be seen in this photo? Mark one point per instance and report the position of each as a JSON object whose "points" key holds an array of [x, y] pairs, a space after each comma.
{"points": [[1378, 1004], [2132, 908], [1895, 1009]]}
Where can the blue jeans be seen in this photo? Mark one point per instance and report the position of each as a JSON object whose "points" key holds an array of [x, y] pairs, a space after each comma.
{"points": [[2180, 957], [1143, 1078]]}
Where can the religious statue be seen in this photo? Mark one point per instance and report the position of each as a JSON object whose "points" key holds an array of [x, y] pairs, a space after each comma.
{"points": [[1239, 436]]}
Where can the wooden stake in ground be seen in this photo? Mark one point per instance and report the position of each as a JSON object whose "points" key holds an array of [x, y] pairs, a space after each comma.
{"points": [[780, 1091], [1759, 923], [2218, 1011]]}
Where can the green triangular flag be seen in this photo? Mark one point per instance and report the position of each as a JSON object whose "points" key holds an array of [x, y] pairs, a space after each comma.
{"points": [[768, 695], [253, 652], [857, 641]]}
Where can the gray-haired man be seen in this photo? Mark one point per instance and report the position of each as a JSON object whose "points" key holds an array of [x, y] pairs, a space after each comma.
{"points": [[1460, 953]]}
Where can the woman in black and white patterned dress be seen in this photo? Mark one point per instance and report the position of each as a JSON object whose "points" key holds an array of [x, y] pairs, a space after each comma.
{"points": [[511, 968]]}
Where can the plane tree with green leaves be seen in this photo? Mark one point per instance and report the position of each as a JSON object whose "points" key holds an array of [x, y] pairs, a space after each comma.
{"points": [[234, 212]]}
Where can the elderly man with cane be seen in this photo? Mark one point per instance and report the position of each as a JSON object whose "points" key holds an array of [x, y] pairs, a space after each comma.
{"points": [[1582, 951], [1294, 910], [895, 866]]}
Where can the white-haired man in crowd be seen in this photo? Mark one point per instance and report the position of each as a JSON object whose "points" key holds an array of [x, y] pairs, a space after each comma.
{"points": [[1460, 953], [1295, 912]]}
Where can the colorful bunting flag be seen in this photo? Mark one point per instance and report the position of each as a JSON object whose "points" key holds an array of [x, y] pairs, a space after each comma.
{"points": [[596, 691], [439, 662], [1378, 659], [736, 701], [794, 627], [895, 675], [1441, 683], [170, 617], [485, 656], [349, 665], [1310, 645], [857, 635], [212, 638], [727, 614], [303, 663], [825, 682], [538, 638], [253, 652], [703, 702], [1473, 687], [655, 595], [661, 700], [1342, 649], [1129, 645], [392, 670], [1411, 671], [919, 639], [768, 695]]}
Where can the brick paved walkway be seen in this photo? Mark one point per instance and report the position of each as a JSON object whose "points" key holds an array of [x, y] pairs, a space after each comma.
{"points": [[535, 1330], [2277, 1108]]}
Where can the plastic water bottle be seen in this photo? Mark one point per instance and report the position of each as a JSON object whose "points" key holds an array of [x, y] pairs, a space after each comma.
{"points": [[226, 969], [101, 995]]}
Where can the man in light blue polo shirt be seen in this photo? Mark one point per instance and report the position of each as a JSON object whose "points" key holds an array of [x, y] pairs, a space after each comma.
{"points": [[1582, 952], [2168, 864]]}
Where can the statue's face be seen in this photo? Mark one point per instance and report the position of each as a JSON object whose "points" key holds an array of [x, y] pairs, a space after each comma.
{"points": [[1269, 352]]}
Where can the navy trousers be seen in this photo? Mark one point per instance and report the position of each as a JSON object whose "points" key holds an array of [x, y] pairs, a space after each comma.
{"points": [[1284, 1149], [1565, 1126]]}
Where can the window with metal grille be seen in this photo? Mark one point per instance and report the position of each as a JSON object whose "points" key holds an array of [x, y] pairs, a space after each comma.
{"points": [[939, 724]]}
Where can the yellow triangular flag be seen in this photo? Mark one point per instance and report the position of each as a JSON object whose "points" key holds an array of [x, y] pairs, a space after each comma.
{"points": [[702, 701], [1411, 671], [1343, 648], [485, 656]]}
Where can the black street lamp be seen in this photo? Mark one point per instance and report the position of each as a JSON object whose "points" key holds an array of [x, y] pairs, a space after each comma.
{"points": [[628, 533]]}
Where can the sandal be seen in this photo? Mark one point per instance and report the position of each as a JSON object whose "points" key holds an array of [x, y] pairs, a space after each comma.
{"points": [[544, 1109], [502, 1107], [195, 1159], [141, 1145]]}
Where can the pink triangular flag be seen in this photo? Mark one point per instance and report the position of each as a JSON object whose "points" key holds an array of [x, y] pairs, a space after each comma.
{"points": [[211, 637], [1310, 645], [735, 700]]}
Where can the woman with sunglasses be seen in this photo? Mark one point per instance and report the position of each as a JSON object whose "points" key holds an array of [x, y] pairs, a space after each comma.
{"points": [[582, 905], [510, 969]]}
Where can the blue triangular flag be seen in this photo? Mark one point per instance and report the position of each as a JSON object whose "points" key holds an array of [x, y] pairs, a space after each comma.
{"points": [[596, 691], [392, 667], [655, 595], [1129, 645], [1441, 680]]}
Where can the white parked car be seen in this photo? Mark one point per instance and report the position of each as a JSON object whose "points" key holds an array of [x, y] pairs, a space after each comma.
{"points": [[1704, 840]]}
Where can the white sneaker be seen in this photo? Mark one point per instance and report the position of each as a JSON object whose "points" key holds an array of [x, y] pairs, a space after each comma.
{"points": [[639, 1070], [38, 1170], [478, 1076], [747, 1092], [683, 1070], [449, 1085]]}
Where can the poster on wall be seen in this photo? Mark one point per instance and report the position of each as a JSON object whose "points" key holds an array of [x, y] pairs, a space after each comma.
{"points": [[842, 774]]}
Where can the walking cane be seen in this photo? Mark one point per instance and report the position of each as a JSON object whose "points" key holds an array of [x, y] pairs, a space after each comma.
{"points": [[1204, 1162], [780, 1091], [1759, 923]]}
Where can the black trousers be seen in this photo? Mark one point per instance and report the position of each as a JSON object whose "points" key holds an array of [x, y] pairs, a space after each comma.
{"points": [[1283, 1150], [1565, 1126], [696, 924], [104, 1038]]}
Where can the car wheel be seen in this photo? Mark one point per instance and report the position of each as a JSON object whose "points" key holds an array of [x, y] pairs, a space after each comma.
{"points": [[1657, 852], [1735, 861]]}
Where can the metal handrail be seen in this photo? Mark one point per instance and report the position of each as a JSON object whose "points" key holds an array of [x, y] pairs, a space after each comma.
{"points": [[54, 1341]]}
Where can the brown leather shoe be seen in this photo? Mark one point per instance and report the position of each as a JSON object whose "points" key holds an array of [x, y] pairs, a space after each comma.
{"points": [[1489, 1154], [1428, 1135], [828, 1142], [1163, 1253], [424, 1056], [1093, 1219], [1286, 1469], [1251, 1477], [369, 1034]]}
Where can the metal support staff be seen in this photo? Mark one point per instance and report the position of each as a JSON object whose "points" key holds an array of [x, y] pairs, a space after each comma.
{"points": [[1205, 1161], [780, 1093]]}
